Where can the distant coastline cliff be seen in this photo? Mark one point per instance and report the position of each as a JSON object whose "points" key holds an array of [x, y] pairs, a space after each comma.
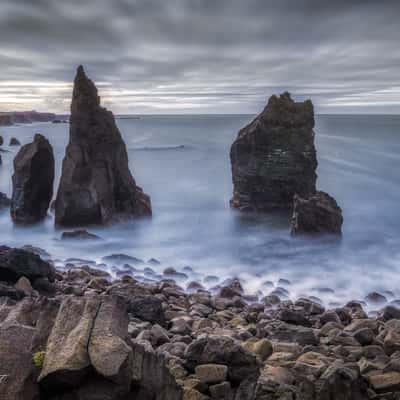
{"points": [[25, 117]]}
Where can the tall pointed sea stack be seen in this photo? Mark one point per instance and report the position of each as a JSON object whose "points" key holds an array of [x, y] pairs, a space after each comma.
{"points": [[274, 156], [32, 181], [96, 186]]}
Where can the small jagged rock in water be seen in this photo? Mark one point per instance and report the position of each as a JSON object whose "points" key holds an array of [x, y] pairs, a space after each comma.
{"points": [[318, 213], [1, 141], [96, 186], [32, 181], [274, 156], [79, 234], [4, 201], [14, 142]]}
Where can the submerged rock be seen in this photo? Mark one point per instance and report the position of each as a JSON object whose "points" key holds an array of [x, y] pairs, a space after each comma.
{"points": [[14, 142], [32, 181], [79, 234], [318, 213], [274, 156], [5, 202], [96, 186]]}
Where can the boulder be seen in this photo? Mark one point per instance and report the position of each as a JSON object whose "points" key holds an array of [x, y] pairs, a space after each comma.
{"points": [[16, 366], [5, 202], [148, 308], [274, 156], [109, 353], [224, 350], [318, 213], [79, 234], [96, 186], [14, 142], [32, 181], [67, 361], [15, 263]]}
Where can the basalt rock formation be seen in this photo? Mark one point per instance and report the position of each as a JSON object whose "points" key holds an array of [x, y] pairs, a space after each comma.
{"points": [[274, 156], [96, 186], [89, 341], [32, 181], [318, 213]]}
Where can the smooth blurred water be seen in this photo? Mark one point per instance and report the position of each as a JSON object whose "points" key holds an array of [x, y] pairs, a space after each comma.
{"points": [[192, 224]]}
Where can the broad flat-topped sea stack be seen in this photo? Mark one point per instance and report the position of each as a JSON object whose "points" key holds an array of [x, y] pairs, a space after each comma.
{"points": [[274, 157], [96, 186]]}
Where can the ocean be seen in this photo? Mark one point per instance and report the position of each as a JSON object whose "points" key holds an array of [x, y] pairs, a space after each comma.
{"points": [[183, 163]]}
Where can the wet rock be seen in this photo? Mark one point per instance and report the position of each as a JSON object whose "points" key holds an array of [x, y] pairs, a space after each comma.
{"points": [[274, 156], [365, 336], [122, 259], [67, 361], [387, 382], [96, 186], [5, 202], [14, 142], [211, 373], [16, 367], [37, 250], [390, 312], [32, 181], [294, 317], [261, 348], [375, 299], [223, 350], [24, 286], [15, 263], [147, 308], [317, 213], [109, 353], [79, 234]]}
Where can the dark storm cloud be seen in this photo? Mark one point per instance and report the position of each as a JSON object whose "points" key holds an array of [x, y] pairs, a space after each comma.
{"points": [[202, 55]]}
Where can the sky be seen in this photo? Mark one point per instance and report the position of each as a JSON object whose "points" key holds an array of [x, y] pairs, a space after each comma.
{"points": [[201, 56]]}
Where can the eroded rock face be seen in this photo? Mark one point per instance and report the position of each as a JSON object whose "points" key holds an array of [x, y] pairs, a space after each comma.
{"points": [[274, 156], [96, 186], [32, 181], [318, 213]]}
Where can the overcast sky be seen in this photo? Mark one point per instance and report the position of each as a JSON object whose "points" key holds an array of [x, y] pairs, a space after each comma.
{"points": [[202, 56]]}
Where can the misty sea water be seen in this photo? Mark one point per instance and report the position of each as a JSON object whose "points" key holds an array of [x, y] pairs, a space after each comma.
{"points": [[183, 163]]}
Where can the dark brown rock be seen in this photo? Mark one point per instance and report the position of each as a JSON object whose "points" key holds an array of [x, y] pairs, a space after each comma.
{"points": [[15, 263], [318, 213], [96, 186], [79, 234], [274, 156], [14, 142], [32, 181], [5, 202]]}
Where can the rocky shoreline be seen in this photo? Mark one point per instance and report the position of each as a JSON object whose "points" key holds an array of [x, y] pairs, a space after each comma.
{"points": [[79, 333]]}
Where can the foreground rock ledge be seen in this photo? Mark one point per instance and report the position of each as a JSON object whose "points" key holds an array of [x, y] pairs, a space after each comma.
{"points": [[98, 339], [274, 156], [32, 181], [96, 186]]}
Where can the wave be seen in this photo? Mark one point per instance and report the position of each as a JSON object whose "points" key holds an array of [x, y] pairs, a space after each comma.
{"points": [[160, 148]]}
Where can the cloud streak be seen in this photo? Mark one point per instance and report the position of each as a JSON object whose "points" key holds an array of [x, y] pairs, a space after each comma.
{"points": [[201, 56]]}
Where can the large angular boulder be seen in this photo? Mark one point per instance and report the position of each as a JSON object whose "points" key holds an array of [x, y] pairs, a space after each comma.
{"points": [[109, 352], [96, 186], [241, 363], [15, 263], [274, 156], [32, 181], [67, 361], [318, 213]]}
